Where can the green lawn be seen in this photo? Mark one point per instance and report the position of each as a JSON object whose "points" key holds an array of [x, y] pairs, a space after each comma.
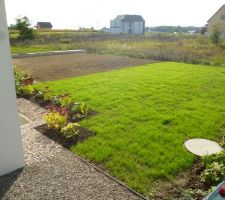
{"points": [[145, 115]]}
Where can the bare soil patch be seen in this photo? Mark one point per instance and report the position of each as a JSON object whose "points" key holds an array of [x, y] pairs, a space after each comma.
{"points": [[47, 68], [187, 180]]}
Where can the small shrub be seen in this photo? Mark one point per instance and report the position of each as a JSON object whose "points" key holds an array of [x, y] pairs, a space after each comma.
{"points": [[19, 76], [47, 94], [215, 37], [219, 158], [70, 130], [65, 100], [27, 81], [39, 95], [61, 110], [26, 90], [80, 108], [55, 100], [190, 194], [55, 120], [213, 174], [214, 171]]}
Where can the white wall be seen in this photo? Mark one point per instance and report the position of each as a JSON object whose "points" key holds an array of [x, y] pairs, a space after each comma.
{"points": [[11, 153]]}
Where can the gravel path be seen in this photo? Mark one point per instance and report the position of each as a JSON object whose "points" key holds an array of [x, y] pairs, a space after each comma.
{"points": [[51, 172]]}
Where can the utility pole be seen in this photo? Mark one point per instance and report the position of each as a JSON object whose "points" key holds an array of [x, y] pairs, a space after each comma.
{"points": [[11, 152]]}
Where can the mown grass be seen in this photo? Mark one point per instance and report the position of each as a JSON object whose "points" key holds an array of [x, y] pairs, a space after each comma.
{"points": [[145, 114]]}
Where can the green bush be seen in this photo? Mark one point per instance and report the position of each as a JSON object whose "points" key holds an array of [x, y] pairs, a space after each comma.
{"points": [[23, 25], [70, 130]]}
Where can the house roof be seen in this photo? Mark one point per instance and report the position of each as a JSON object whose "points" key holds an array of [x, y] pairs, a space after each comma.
{"points": [[216, 12], [44, 24], [130, 18]]}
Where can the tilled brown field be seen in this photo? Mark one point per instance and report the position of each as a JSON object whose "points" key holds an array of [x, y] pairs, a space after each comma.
{"points": [[47, 68]]}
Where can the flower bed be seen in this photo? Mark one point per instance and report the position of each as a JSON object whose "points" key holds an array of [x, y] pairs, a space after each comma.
{"points": [[63, 114]]}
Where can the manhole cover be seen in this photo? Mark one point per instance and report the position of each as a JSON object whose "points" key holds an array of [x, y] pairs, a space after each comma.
{"points": [[23, 120], [202, 147]]}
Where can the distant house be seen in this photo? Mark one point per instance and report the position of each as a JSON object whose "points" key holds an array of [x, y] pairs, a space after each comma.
{"points": [[105, 29], [192, 32], [217, 20], [128, 24], [44, 25]]}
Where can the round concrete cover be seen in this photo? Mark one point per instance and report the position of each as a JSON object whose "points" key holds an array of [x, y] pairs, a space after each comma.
{"points": [[202, 147]]}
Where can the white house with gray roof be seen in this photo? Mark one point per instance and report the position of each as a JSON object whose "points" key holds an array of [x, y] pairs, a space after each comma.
{"points": [[128, 24]]}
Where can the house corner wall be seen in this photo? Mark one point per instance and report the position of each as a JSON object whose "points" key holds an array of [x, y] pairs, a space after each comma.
{"points": [[11, 152]]}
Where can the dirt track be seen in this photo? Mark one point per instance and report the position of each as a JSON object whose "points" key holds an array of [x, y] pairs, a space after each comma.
{"points": [[46, 68]]}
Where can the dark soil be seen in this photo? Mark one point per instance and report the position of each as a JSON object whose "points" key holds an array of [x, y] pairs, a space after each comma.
{"points": [[84, 133]]}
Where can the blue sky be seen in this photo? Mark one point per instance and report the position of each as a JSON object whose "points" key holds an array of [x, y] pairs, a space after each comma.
{"points": [[72, 14]]}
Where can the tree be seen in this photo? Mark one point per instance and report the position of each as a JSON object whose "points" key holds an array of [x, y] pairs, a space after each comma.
{"points": [[215, 37], [25, 31], [203, 30]]}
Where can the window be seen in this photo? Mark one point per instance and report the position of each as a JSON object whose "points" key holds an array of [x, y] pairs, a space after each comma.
{"points": [[130, 24], [223, 17]]}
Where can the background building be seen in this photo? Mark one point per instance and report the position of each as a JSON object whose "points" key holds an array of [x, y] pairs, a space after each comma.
{"points": [[128, 24], [217, 20], [44, 25]]}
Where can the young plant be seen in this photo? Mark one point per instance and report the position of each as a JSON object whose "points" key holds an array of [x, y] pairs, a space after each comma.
{"points": [[61, 110], [214, 171], [47, 94], [55, 120], [65, 100], [27, 81], [70, 130], [55, 100], [26, 90], [38, 94], [19, 77], [79, 110], [213, 174]]}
